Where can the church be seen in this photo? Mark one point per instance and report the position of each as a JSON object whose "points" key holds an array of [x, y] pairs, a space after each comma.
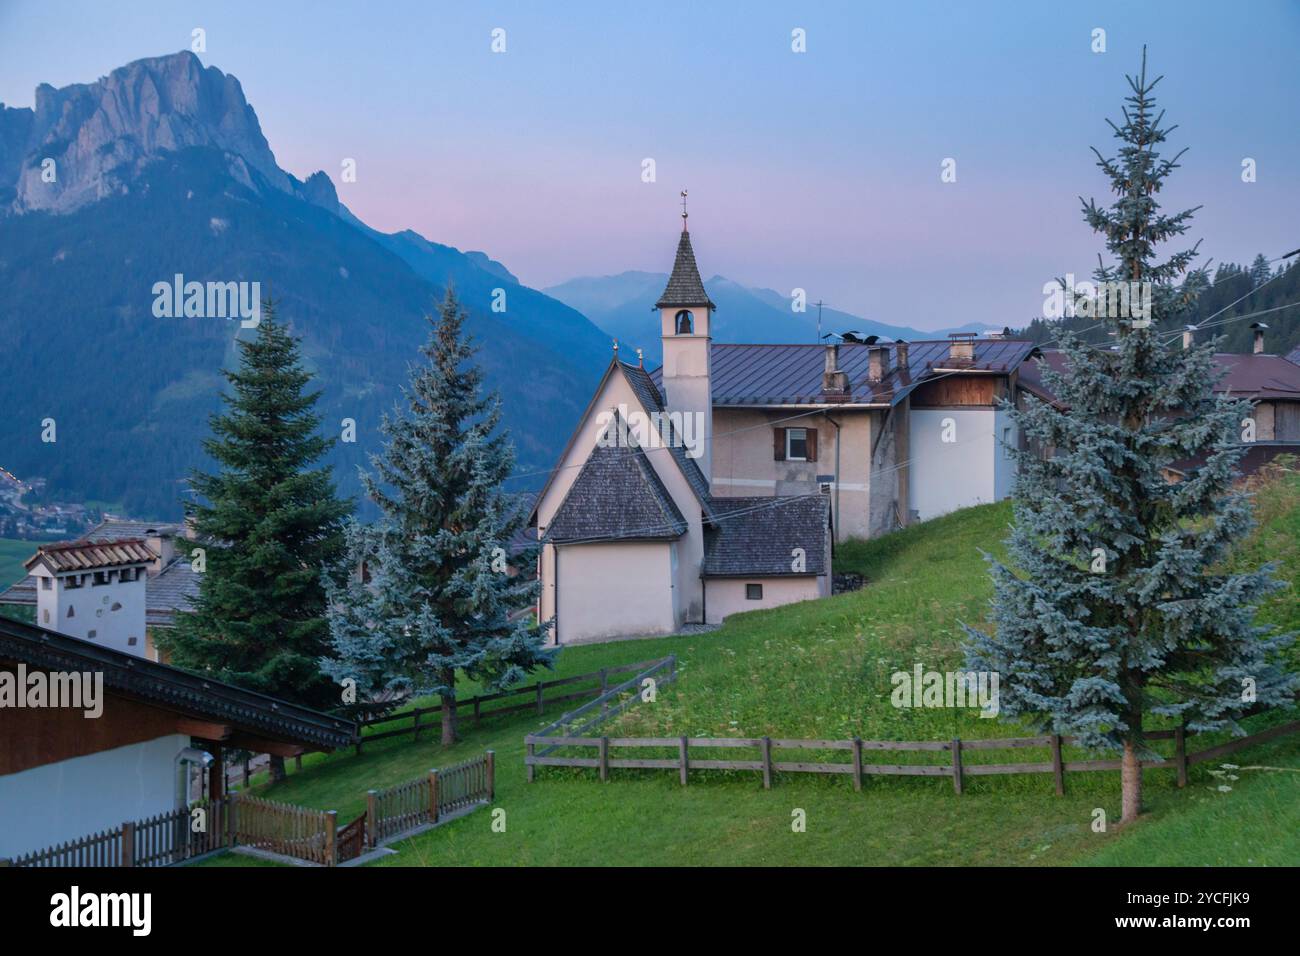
{"points": [[721, 481]]}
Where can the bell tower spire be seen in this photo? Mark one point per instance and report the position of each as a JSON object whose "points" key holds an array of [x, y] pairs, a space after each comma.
{"points": [[685, 313]]}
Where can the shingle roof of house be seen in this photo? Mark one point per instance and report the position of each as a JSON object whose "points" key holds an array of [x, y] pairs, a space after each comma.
{"points": [[88, 556], [116, 529], [755, 537], [171, 687], [685, 287], [1246, 376], [649, 395], [617, 496], [792, 374]]}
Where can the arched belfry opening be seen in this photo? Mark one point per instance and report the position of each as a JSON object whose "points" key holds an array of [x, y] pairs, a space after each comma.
{"points": [[685, 322]]}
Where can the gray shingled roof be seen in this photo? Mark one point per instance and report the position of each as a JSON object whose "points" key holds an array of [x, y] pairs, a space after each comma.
{"points": [[792, 374], [754, 537], [617, 496], [685, 287], [649, 395]]}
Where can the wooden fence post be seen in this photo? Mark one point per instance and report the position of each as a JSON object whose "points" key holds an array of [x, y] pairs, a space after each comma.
{"points": [[956, 765], [857, 763], [232, 818], [372, 818], [766, 748], [332, 838], [604, 759], [128, 843], [417, 723], [433, 795], [530, 750], [297, 763], [540, 685], [681, 756], [491, 775], [477, 701], [1180, 754], [246, 759], [1058, 765], [360, 737]]}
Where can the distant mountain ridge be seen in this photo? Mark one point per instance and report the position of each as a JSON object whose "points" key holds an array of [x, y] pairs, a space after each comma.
{"points": [[621, 305], [162, 168]]}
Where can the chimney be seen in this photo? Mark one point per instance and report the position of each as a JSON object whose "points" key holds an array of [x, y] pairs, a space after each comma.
{"points": [[1189, 335], [877, 363], [961, 348], [900, 350], [1259, 328], [835, 383]]}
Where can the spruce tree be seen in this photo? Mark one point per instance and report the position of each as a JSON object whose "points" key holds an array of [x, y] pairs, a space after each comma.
{"points": [[1260, 271], [438, 598], [1118, 601], [268, 521]]}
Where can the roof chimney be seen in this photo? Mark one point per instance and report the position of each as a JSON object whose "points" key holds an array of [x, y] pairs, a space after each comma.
{"points": [[1259, 328], [1189, 335], [961, 347], [877, 363], [900, 351], [835, 383]]}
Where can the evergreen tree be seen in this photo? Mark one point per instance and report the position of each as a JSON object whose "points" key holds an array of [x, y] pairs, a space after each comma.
{"points": [[268, 522], [439, 598], [1260, 271], [1117, 602]]}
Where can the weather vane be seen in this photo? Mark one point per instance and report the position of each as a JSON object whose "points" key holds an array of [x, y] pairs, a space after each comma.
{"points": [[683, 210]]}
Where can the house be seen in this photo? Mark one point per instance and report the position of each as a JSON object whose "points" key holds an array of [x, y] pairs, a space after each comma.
{"points": [[169, 581], [706, 486], [79, 760]]}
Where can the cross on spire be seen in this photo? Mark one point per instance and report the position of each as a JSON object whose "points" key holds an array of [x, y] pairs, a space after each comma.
{"points": [[683, 210]]}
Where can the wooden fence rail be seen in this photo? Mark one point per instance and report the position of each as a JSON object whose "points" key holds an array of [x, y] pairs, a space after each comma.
{"points": [[430, 798], [856, 767], [536, 693]]}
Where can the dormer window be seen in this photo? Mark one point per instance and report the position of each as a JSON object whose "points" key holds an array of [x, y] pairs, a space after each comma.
{"points": [[685, 322]]}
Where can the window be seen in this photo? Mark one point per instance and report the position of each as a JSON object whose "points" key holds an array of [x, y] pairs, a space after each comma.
{"points": [[685, 323], [796, 444], [72, 582], [47, 583], [753, 592], [101, 578]]}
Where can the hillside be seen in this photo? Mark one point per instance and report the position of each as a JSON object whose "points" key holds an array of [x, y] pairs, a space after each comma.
{"points": [[821, 669], [165, 172]]}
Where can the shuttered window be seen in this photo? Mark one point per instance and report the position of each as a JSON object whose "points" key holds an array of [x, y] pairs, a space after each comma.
{"points": [[794, 444]]}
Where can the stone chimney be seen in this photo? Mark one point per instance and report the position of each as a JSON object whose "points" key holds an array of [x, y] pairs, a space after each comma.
{"points": [[900, 351], [1259, 328], [961, 348], [835, 382], [877, 363]]}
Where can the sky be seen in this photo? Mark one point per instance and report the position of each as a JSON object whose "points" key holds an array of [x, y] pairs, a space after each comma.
{"points": [[818, 170]]}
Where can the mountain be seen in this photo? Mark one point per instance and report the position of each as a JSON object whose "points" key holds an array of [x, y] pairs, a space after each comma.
{"points": [[161, 169], [621, 305]]}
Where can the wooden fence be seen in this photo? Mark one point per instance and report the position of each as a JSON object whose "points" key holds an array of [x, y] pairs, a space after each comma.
{"points": [[282, 828], [475, 704], [430, 798], [856, 767]]}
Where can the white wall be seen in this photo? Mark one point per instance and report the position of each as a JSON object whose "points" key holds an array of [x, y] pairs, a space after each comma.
{"points": [[1004, 470], [94, 617], [61, 801], [724, 596], [944, 476], [615, 589]]}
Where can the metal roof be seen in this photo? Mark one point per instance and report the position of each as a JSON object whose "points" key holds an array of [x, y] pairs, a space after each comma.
{"points": [[792, 374], [1266, 377]]}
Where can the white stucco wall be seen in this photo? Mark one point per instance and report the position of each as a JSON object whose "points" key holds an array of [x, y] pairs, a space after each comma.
{"points": [[724, 596], [615, 589], [108, 614], [944, 476], [61, 801]]}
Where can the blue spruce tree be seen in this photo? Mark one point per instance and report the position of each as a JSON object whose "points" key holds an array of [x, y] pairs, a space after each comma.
{"points": [[438, 597], [1117, 602]]}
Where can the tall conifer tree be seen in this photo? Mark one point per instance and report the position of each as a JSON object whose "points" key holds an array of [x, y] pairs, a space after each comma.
{"points": [[268, 521], [1117, 603], [439, 599]]}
